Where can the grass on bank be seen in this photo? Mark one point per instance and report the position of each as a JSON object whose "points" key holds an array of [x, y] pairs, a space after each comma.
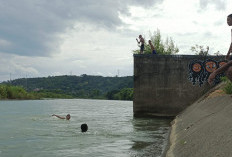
{"points": [[228, 87]]}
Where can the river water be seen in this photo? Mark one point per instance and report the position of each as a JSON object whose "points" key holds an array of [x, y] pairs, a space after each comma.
{"points": [[27, 129]]}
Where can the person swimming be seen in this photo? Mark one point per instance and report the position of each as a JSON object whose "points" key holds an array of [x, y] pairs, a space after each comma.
{"points": [[84, 127], [67, 116]]}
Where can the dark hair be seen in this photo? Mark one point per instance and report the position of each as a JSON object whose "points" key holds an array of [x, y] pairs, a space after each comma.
{"points": [[84, 127], [230, 16]]}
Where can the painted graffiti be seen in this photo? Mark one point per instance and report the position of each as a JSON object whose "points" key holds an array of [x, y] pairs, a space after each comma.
{"points": [[199, 71]]}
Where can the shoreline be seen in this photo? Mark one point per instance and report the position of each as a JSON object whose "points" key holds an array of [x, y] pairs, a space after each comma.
{"points": [[167, 146], [171, 140]]}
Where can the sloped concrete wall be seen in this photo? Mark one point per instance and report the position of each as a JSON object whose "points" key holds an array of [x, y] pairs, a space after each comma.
{"points": [[164, 85]]}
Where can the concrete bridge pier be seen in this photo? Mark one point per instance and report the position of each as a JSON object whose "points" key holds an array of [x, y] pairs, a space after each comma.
{"points": [[164, 85]]}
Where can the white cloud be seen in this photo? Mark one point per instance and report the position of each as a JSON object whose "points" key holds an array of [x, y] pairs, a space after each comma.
{"points": [[33, 27], [42, 38], [218, 4], [184, 23], [4, 43]]}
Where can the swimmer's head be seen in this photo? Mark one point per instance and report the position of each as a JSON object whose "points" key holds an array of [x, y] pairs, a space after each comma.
{"points": [[68, 117], [229, 20], [84, 127]]}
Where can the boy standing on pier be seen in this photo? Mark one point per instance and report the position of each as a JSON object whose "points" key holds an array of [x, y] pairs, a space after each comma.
{"points": [[141, 40]]}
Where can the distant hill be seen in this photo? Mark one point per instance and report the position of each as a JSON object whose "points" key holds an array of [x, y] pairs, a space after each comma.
{"points": [[84, 86]]}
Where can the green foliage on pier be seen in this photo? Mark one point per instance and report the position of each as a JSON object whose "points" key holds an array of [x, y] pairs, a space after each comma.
{"points": [[163, 48], [203, 50], [200, 50]]}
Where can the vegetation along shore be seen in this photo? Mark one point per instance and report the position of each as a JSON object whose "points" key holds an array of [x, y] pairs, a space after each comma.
{"points": [[84, 86]]}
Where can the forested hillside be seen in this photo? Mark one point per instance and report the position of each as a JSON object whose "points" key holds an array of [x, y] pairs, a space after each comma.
{"points": [[84, 86]]}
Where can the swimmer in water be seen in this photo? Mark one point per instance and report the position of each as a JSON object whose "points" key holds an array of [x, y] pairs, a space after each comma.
{"points": [[67, 117], [84, 127]]}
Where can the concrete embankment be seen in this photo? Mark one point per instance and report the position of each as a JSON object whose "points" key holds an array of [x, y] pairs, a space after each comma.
{"points": [[204, 129]]}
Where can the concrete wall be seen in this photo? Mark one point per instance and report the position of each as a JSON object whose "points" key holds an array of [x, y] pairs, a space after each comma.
{"points": [[162, 86]]}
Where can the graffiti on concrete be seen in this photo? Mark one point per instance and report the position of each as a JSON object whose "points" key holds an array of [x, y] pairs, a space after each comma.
{"points": [[199, 71]]}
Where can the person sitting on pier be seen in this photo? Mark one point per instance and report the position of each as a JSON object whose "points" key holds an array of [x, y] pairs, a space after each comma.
{"points": [[152, 47], [67, 117], [227, 68]]}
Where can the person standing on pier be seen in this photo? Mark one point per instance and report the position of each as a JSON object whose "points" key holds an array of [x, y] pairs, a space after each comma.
{"points": [[141, 40]]}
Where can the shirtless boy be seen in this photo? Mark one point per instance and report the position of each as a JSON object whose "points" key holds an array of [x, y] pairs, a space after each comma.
{"points": [[67, 117], [141, 40]]}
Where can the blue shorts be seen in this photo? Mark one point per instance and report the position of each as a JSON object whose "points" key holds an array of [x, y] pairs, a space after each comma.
{"points": [[142, 47], [153, 52]]}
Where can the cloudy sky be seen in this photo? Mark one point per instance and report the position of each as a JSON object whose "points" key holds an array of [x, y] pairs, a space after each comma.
{"points": [[40, 38]]}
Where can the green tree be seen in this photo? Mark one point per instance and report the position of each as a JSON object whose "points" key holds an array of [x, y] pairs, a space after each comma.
{"points": [[3, 92], [200, 50], [15, 92], [218, 53], [123, 94], [84, 86], [110, 95], [166, 48]]}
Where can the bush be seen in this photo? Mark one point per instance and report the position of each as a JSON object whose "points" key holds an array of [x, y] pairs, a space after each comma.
{"points": [[15, 92], [228, 87], [123, 94], [164, 48], [3, 92]]}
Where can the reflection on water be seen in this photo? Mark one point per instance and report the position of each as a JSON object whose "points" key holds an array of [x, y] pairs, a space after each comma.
{"points": [[28, 129]]}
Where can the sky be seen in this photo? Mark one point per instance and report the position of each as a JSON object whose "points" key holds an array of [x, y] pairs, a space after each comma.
{"points": [[42, 38]]}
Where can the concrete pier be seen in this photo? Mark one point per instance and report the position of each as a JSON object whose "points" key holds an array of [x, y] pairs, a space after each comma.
{"points": [[164, 85]]}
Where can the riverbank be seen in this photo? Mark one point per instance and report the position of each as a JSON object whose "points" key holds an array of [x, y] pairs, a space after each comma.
{"points": [[204, 129]]}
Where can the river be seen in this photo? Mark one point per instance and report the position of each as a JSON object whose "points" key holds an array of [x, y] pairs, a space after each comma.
{"points": [[27, 129]]}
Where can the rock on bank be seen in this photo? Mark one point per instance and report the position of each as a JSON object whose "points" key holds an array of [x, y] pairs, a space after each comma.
{"points": [[203, 130]]}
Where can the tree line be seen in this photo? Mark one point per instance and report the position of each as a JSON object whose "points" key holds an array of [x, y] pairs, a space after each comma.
{"points": [[84, 86]]}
